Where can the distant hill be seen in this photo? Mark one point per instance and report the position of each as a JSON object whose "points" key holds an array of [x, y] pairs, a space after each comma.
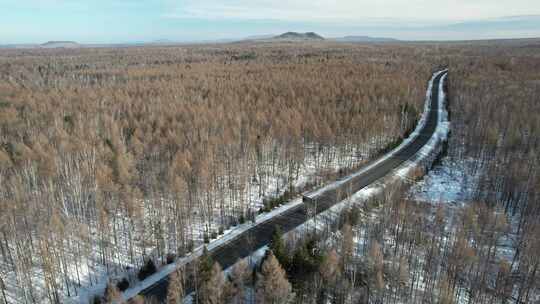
{"points": [[299, 36], [259, 37], [364, 39], [295, 36], [60, 44]]}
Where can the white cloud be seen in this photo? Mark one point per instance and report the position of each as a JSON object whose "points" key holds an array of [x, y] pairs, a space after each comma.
{"points": [[351, 10]]}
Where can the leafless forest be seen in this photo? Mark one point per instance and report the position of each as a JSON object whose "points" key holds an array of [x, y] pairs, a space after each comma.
{"points": [[112, 155], [111, 158], [393, 249]]}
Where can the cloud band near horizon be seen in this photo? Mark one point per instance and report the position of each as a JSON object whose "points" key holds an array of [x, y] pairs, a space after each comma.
{"points": [[102, 21]]}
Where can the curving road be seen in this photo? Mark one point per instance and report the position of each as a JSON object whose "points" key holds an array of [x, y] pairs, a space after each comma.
{"points": [[260, 235]]}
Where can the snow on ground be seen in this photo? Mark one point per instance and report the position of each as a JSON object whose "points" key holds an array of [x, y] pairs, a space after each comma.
{"points": [[227, 236], [253, 261], [454, 183], [94, 275], [307, 174], [441, 134], [276, 185], [447, 182], [425, 156], [450, 183]]}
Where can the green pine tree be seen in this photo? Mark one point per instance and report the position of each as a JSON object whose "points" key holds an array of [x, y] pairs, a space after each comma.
{"points": [[204, 271], [277, 245]]}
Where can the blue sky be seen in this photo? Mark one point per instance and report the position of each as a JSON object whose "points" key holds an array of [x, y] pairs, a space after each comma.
{"points": [[115, 21]]}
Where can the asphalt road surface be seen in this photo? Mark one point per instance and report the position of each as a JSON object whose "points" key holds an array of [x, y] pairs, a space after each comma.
{"points": [[259, 236]]}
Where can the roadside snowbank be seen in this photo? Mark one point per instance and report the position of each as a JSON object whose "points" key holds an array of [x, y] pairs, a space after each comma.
{"points": [[227, 236]]}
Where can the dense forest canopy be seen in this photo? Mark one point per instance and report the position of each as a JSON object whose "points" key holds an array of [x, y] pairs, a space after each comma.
{"points": [[111, 155], [115, 161]]}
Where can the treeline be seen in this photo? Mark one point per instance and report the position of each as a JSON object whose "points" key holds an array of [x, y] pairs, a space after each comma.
{"points": [[112, 157]]}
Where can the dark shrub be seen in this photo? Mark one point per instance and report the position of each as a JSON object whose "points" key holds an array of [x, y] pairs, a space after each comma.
{"points": [[171, 257], [147, 270], [97, 300], [123, 285]]}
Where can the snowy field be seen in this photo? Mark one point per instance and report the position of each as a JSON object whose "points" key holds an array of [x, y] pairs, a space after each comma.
{"points": [[447, 183]]}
